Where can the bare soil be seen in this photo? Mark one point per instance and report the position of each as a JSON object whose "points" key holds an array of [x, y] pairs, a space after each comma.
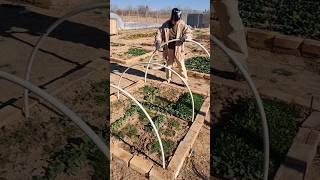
{"points": [[143, 139], [26, 148], [145, 38]]}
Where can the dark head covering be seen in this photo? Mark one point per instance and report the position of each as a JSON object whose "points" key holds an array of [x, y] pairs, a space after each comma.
{"points": [[176, 14]]}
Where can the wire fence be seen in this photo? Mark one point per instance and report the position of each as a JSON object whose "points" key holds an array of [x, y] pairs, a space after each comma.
{"points": [[143, 17]]}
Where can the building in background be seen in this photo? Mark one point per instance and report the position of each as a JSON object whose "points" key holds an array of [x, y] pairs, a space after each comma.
{"points": [[198, 20]]}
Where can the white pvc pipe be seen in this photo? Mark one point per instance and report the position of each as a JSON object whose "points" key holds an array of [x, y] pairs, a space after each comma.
{"points": [[258, 100], [173, 40], [163, 66], [149, 118], [40, 41], [61, 107]]}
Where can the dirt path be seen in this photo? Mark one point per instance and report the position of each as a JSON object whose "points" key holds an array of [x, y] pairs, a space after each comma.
{"points": [[70, 49], [287, 77]]}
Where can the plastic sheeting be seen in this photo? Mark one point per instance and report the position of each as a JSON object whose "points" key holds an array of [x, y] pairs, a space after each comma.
{"points": [[120, 23]]}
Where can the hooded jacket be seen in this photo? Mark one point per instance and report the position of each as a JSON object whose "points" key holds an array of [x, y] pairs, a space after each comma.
{"points": [[163, 36]]}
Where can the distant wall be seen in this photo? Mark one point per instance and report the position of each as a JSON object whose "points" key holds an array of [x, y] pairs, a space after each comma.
{"points": [[198, 20]]}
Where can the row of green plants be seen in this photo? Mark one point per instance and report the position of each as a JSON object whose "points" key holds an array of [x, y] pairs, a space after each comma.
{"points": [[131, 131], [136, 51], [182, 108], [100, 91], [238, 140], [72, 157], [140, 35], [78, 152], [299, 17], [200, 64]]}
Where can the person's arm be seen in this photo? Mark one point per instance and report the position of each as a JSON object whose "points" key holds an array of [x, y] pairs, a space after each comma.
{"points": [[187, 32], [158, 38]]}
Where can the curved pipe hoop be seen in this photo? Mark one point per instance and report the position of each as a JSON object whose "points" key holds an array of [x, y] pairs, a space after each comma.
{"points": [[163, 66], [149, 118], [40, 41], [258, 100], [61, 107], [165, 43]]}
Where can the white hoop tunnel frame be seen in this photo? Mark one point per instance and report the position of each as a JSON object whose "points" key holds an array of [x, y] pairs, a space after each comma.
{"points": [[165, 43], [75, 117], [61, 107], [35, 50], [163, 66]]}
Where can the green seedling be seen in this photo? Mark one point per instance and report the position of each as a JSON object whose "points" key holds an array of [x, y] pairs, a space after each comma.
{"points": [[241, 155], [173, 124], [140, 35], [130, 131], [72, 157], [136, 51], [168, 147], [199, 64], [169, 132]]}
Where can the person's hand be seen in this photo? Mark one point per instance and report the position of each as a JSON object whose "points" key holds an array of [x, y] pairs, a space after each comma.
{"points": [[183, 38], [158, 45]]}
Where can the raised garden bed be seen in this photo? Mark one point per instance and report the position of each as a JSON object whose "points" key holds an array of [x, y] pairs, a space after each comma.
{"points": [[125, 55], [50, 146], [170, 109], [198, 67], [140, 35], [237, 133], [199, 64]]}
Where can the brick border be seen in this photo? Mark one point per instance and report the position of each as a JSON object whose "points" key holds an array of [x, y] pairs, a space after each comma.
{"points": [[70, 80], [198, 75], [302, 151], [279, 95], [152, 170], [303, 148], [130, 60], [300, 155], [276, 42], [286, 44]]}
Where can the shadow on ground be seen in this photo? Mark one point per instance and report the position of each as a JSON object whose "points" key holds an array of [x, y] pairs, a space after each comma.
{"points": [[35, 24], [18, 19]]}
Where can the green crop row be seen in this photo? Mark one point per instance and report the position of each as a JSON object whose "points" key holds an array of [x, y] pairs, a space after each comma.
{"points": [[136, 51], [73, 156], [299, 17], [238, 139], [199, 64]]}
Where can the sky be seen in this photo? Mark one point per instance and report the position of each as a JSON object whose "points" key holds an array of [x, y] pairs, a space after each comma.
{"points": [[159, 4]]}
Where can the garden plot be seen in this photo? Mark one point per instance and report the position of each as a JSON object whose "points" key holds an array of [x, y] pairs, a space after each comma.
{"points": [[132, 45], [125, 54], [170, 109], [50, 146], [237, 133], [199, 64]]}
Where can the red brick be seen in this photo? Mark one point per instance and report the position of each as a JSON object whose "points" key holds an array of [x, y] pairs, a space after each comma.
{"points": [[158, 173], [313, 121], [122, 155], [287, 44], [141, 165], [310, 48], [177, 160], [260, 38]]}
